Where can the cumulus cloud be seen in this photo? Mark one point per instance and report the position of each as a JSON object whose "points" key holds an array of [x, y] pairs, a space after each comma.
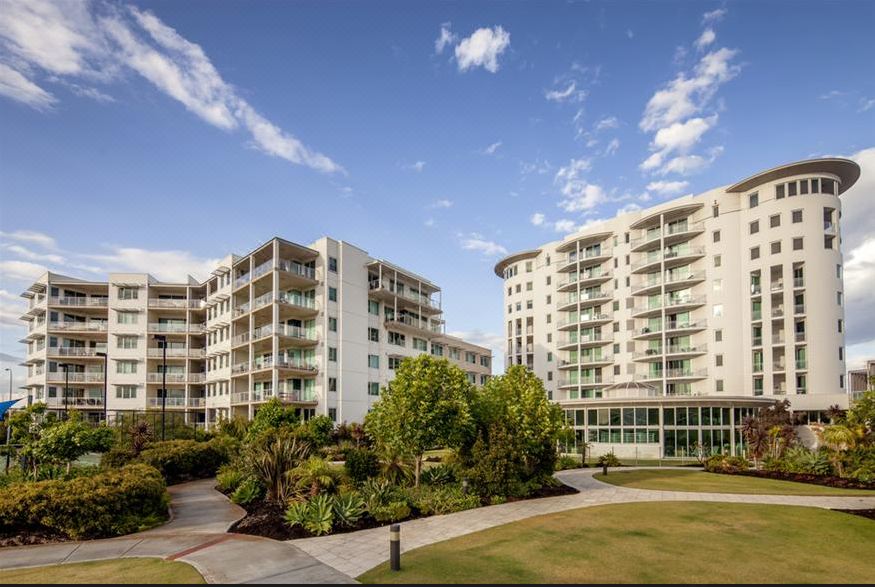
{"points": [[491, 149], [482, 49], [20, 270], [667, 188], [93, 42], [537, 219], [30, 236], [578, 195], [714, 16], [445, 38], [569, 94], [707, 37], [477, 242]]}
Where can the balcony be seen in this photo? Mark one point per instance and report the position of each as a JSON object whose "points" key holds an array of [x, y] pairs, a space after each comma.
{"points": [[799, 309], [648, 355], [79, 302], [585, 320], [92, 326], [296, 302], [778, 338], [648, 286], [585, 341], [585, 361], [778, 312], [297, 272], [673, 258], [296, 332], [829, 226], [686, 373], [240, 339], [240, 368], [682, 279], [169, 303], [171, 377], [756, 289], [176, 353], [686, 350], [798, 282], [570, 261], [387, 293], [172, 402], [675, 233], [777, 285], [779, 366], [684, 301], [801, 364], [242, 280], [799, 336], [285, 363], [74, 402], [168, 327], [69, 351], [415, 325], [581, 381], [77, 377], [648, 263], [240, 397], [649, 240]]}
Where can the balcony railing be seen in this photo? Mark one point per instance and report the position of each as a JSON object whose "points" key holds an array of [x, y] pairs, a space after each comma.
{"points": [[416, 323], [586, 360], [777, 312], [172, 402], [240, 397], [60, 377], [801, 364], [799, 336], [262, 300], [297, 269], [779, 366], [176, 353], [683, 301], [648, 237], [685, 227], [583, 381], [684, 252], [168, 303], [242, 280], [778, 338], [168, 327], [79, 326], [756, 289], [777, 285], [678, 349], [70, 351], [680, 373], [171, 377], [80, 302], [799, 309], [240, 368], [646, 284], [262, 269], [407, 294], [798, 282], [684, 276], [75, 402], [300, 301], [241, 338]]}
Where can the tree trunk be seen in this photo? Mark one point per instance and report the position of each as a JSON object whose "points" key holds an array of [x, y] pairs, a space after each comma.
{"points": [[417, 470]]}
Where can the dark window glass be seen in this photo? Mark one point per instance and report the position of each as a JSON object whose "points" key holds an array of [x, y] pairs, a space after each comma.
{"points": [[791, 188], [779, 191]]}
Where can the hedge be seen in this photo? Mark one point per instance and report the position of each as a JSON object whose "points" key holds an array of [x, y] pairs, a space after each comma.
{"points": [[111, 503], [185, 460]]}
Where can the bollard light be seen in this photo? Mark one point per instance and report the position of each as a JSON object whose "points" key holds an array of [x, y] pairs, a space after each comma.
{"points": [[604, 468], [395, 547]]}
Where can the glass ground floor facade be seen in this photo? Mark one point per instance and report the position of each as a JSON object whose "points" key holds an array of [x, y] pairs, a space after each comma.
{"points": [[660, 428]]}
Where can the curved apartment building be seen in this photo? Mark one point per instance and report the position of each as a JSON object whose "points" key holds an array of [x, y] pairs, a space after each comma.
{"points": [[660, 329]]}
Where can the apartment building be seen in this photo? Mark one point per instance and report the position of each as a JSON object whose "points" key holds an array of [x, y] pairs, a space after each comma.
{"points": [[321, 327], [661, 329], [861, 380]]}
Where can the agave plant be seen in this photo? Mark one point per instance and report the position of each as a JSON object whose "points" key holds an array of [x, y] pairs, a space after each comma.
{"points": [[315, 515], [349, 508], [273, 458]]}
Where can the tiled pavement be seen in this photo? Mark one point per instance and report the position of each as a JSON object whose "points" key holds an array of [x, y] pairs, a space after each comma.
{"points": [[356, 552]]}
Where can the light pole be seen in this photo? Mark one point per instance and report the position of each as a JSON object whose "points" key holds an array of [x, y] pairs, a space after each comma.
{"points": [[163, 340], [66, 368], [105, 377]]}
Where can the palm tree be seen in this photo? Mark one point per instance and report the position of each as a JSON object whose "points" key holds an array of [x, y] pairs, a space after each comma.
{"points": [[835, 414], [315, 475], [756, 437], [838, 439]]}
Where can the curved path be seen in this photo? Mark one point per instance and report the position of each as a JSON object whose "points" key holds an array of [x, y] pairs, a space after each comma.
{"points": [[197, 535], [357, 552]]}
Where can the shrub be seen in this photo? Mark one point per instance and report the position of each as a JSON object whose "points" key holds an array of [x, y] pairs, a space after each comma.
{"points": [[859, 463], [320, 429], [361, 464], [184, 460], [609, 459], [247, 491], [271, 416], [725, 464], [315, 515], [568, 462], [442, 500], [498, 468], [439, 475], [378, 492], [497, 500], [392, 512], [349, 508], [272, 457], [111, 503], [117, 457], [229, 478], [315, 475]]}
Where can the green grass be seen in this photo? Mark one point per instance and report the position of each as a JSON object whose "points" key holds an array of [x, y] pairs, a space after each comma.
{"points": [[699, 481], [679, 542], [124, 571]]}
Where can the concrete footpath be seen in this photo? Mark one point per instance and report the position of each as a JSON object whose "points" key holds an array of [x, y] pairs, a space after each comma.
{"points": [[356, 552], [196, 535]]}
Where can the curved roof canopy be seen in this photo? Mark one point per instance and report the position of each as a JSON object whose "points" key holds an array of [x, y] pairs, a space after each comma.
{"points": [[847, 171], [584, 239], [502, 265]]}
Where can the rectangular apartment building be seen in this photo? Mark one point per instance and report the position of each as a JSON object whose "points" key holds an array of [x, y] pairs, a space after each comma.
{"points": [[321, 327], [661, 329]]}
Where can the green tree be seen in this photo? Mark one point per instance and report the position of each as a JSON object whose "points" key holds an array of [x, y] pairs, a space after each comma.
{"points": [[273, 414], [862, 414], [514, 408], [427, 405], [838, 439]]}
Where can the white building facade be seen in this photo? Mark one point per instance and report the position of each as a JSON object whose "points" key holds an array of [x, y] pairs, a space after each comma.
{"points": [[321, 327], [660, 329]]}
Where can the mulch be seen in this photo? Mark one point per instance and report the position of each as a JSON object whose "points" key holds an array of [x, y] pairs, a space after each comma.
{"points": [[828, 481], [31, 538], [862, 513]]}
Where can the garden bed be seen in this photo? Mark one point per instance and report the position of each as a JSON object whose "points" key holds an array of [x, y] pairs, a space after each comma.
{"points": [[826, 480], [265, 519], [862, 513]]}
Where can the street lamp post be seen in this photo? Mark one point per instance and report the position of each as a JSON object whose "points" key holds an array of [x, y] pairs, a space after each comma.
{"points": [[8, 424], [105, 377], [163, 340], [66, 368]]}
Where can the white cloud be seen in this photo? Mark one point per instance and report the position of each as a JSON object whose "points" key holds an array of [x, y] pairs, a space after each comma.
{"points": [[32, 255], [477, 242], [684, 165], [482, 49], [11, 308], [429, 222], [866, 104], [537, 219], [30, 236], [667, 188], [20, 270], [491, 149], [417, 167], [537, 166], [445, 38], [442, 203], [170, 265], [494, 342], [630, 33], [578, 194], [13, 84], [612, 147], [76, 41], [565, 226], [858, 242], [607, 123], [570, 93], [706, 38], [714, 16]]}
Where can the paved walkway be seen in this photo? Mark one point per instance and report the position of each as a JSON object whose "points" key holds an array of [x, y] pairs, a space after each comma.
{"points": [[196, 535], [356, 552]]}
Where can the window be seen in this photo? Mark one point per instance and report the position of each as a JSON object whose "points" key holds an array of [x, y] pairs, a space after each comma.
{"points": [[718, 310], [437, 349], [332, 384], [839, 298], [126, 342], [332, 294], [716, 236], [509, 291], [126, 317], [373, 308], [373, 388], [791, 188], [755, 227], [374, 361], [797, 216], [815, 186], [528, 286], [332, 324], [842, 381], [840, 324], [126, 391], [838, 271], [394, 363], [332, 354], [828, 242], [803, 186], [715, 211], [755, 253], [128, 293], [753, 200], [775, 221], [485, 361], [779, 191], [719, 385], [718, 360], [718, 335], [776, 247], [529, 304], [549, 300], [717, 260], [332, 264], [332, 413], [797, 244], [419, 344], [373, 334], [471, 358], [126, 367], [397, 339], [528, 266]]}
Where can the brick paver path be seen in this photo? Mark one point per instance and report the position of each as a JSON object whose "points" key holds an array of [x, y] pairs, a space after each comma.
{"points": [[356, 552]]}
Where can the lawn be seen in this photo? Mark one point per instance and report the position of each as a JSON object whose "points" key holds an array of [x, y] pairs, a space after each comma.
{"points": [[123, 571], [698, 481], [680, 542]]}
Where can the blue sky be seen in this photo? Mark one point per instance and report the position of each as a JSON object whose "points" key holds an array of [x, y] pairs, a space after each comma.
{"points": [[162, 135]]}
